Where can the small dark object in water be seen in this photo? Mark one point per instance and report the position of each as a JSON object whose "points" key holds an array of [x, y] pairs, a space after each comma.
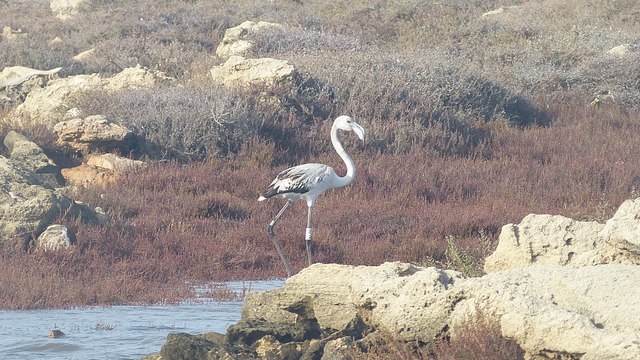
{"points": [[55, 333]]}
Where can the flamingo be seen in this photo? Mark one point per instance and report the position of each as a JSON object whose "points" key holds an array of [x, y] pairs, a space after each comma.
{"points": [[308, 181]]}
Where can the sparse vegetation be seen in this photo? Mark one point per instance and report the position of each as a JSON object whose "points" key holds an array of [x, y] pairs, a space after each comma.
{"points": [[478, 338], [472, 122]]}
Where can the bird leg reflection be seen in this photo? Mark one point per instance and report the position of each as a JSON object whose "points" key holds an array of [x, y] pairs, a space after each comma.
{"points": [[272, 236]]}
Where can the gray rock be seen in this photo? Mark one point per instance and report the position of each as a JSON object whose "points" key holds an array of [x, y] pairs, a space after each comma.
{"points": [[32, 158], [27, 208], [181, 346]]}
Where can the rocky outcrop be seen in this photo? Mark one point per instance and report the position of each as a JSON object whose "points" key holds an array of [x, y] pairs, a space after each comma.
{"points": [[48, 105], [240, 72], [29, 199], [236, 39], [557, 240], [555, 307]]}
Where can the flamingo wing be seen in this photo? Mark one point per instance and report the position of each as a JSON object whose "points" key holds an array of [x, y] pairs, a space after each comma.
{"points": [[298, 179]]}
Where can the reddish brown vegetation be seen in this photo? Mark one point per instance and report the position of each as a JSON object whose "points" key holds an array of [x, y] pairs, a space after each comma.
{"points": [[480, 338], [201, 222]]}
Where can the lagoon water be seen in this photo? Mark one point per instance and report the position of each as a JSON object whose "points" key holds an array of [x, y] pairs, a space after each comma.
{"points": [[117, 332]]}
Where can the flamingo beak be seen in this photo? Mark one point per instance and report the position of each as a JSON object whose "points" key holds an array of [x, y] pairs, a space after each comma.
{"points": [[358, 130]]}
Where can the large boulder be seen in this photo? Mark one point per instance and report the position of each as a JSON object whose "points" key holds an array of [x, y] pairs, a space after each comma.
{"points": [[558, 240], [239, 72], [236, 39], [95, 134], [29, 199], [624, 227], [47, 106], [551, 310], [387, 292]]}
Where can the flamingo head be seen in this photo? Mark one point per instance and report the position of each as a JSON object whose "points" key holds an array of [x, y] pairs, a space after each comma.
{"points": [[346, 123]]}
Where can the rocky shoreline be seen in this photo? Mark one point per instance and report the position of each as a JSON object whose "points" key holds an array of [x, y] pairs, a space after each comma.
{"points": [[559, 288]]}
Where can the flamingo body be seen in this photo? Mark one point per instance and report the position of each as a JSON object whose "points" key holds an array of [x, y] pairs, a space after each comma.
{"points": [[308, 181]]}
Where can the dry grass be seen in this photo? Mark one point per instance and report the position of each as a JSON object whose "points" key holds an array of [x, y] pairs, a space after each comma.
{"points": [[479, 338]]}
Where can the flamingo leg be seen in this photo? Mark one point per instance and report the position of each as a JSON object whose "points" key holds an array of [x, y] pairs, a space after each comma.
{"points": [[307, 235], [272, 236]]}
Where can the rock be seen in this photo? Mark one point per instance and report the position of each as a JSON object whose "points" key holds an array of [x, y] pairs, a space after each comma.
{"points": [[545, 309], [343, 348], [17, 81], [56, 42], [16, 75], [249, 331], [84, 56], [94, 134], [55, 237], [624, 226], [240, 72], [499, 10], [48, 105], [27, 208], [341, 293], [620, 50], [115, 162], [55, 334], [101, 216], [136, 78], [100, 170], [583, 312], [235, 41], [90, 176], [65, 9], [185, 346], [557, 240], [33, 159], [8, 34]]}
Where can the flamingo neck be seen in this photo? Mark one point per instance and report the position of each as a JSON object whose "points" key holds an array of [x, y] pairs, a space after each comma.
{"points": [[351, 168]]}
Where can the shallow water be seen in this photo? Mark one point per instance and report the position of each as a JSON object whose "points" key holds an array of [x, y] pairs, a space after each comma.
{"points": [[117, 332]]}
